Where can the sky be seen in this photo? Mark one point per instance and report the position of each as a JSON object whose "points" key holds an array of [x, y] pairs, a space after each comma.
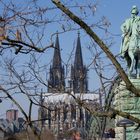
{"points": [[116, 12]]}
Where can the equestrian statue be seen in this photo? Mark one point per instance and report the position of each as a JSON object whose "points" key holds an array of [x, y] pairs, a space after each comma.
{"points": [[130, 46]]}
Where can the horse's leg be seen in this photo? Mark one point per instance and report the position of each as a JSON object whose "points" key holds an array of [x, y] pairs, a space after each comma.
{"points": [[138, 72], [128, 60], [138, 67], [133, 62]]}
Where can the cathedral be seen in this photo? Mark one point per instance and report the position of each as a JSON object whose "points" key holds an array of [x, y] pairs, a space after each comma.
{"points": [[78, 79], [61, 112]]}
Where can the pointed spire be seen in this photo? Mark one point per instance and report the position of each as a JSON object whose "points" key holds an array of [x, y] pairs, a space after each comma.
{"points": [[56, 81], [78, 62], [78, 72], [57, 56]]}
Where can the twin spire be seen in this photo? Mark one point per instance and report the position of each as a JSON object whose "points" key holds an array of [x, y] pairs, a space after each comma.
{"points": [[78, 79]]}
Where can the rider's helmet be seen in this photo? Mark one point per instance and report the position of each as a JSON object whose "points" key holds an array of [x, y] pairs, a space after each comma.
{"points": [[135, 10]]}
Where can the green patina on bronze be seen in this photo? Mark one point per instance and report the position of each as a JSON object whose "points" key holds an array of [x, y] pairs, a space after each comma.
{"points": [[130, 46], [130, 50]]}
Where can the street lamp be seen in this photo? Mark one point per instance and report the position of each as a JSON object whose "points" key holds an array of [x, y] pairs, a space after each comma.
{"points": [[73, 122], [125, 123]]}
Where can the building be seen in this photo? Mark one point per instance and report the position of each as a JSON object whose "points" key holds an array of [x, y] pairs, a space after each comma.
{"points": [[12, 115], [56, 82], [78, 82], [12, 124], [62, 112]]}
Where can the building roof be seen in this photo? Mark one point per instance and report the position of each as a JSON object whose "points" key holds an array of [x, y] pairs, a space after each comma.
{"points": [[65, 97]]}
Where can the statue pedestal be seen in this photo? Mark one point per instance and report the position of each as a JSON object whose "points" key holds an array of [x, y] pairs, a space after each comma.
{"points": [[127, 102]]}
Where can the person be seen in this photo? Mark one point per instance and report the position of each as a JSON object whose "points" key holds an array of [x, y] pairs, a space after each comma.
{"points": [[128, 29], [76, 135]]}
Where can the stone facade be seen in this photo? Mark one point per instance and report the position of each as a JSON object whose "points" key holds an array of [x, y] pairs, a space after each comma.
{"points": [[62, 113]]}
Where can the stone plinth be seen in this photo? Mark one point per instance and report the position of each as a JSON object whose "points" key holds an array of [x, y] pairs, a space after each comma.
{"points": [[127, 102]]}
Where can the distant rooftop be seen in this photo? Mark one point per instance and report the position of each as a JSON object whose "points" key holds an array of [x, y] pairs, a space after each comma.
{"points": [[65, 97]]}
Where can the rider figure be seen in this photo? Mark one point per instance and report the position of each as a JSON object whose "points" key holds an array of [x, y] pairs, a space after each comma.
{"points": [[127, 29]]}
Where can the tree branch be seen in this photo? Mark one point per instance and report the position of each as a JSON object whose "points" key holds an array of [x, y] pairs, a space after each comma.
{"points": [[101, 44], [21, 44]]}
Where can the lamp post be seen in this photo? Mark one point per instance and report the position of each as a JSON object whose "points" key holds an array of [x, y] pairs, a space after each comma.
{"points": [[125, 123], [73, 122]]}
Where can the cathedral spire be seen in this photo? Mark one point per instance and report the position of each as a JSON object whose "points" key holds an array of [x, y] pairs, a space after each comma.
{"points": [[57, 56], [79, 71], [78, 62], [56, 83]]}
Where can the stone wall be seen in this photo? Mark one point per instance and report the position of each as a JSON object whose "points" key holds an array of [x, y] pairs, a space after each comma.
{"points": [[125, 101]]}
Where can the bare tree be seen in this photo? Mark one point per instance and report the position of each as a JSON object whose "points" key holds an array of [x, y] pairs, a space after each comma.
{"points": [[25, 28], [108, 53]]}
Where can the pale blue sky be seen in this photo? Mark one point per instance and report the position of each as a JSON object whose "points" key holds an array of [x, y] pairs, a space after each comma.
{"points": [[116, 12]]}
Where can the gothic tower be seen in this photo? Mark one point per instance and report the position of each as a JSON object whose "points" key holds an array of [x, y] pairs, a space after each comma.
{"points": [[78, 81], [56, 82]]}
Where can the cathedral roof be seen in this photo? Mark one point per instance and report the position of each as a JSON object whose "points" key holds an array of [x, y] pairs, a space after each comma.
{"points": [[64, 97]]}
